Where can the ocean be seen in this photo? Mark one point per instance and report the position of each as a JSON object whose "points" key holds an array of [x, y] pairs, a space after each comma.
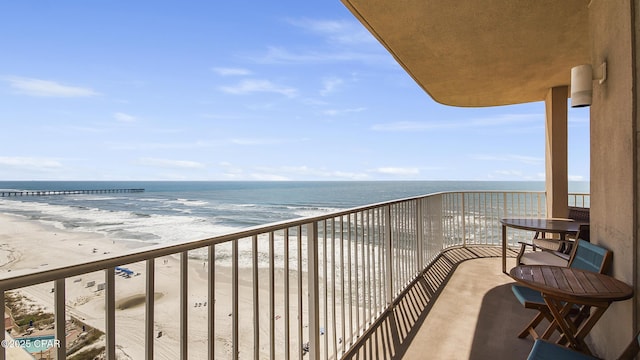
{"points": [[172, 211]]}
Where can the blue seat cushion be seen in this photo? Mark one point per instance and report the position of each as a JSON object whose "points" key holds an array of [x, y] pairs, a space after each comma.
{"points": [[544, 350], [527, 295]]}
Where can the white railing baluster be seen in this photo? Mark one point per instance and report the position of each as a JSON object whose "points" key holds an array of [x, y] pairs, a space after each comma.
{"points": [[389, 264]]}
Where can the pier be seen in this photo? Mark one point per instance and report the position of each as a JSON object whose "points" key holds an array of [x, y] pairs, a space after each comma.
{"points": [[4, 193]]}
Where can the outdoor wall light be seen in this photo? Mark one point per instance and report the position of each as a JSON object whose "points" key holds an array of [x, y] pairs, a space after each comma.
{"points": [[582, 77]]}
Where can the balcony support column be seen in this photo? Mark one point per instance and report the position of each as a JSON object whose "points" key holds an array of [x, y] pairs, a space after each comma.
{"points": [[556, 173]]}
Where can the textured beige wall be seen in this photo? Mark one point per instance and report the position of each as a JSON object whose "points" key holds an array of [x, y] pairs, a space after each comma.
{"points": [[613, 162]]}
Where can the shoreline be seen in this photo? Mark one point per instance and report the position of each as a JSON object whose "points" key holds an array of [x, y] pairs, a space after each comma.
{"points": [[29, 245]]}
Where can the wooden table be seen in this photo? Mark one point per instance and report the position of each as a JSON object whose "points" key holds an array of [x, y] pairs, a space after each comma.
{"points": [[554, 226], [564, 287]]}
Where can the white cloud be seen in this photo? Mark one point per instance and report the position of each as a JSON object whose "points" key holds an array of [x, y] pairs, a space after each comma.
{"points": [[337, 31], [248, 141], [330, 85], [29, 162], [124, 117], [410, 126], [196, 144], [515, 175], [529, 160], [256, 85], [231, 71], [167, 163], [46, 88], [304, 172], [335, 112], [278, 55], [398, 171], [500, 120]]}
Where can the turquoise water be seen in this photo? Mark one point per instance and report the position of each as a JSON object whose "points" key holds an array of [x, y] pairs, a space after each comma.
{"points": [[178, 211], [36, 344]]}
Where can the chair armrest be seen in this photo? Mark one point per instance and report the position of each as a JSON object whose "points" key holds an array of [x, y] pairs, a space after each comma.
{"points": [[523, 246], [549, 244]]}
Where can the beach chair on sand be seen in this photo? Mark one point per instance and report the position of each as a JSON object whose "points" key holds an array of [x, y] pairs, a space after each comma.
{"points": [[585, 256], [545, 350]]}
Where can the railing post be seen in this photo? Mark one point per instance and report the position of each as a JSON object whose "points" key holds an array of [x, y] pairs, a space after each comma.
{"points": [[60, 319], [464, 221], [149, 309], [184, 309], [2, 337], [389, 262], [235, 337], [211, 301], [419, 234], [110, 318], [314, 296]]}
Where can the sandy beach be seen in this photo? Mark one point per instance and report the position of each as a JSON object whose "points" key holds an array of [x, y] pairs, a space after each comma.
{"points": [[26, 244]]}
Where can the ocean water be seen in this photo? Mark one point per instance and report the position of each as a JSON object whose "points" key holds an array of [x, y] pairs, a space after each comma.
{"points": [[179, 211]]}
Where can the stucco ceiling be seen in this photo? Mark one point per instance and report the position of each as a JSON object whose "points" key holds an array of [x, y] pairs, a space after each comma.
{"points": [[481, 52]]}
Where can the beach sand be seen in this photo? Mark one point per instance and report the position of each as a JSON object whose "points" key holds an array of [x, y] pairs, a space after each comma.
{"points": [[27, 244]]}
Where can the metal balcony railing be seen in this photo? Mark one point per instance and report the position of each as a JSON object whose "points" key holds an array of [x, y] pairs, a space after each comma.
{"points": [[328, 278]]}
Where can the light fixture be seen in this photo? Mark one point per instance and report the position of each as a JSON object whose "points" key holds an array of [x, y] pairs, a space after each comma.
{"points": [[582, 77]]}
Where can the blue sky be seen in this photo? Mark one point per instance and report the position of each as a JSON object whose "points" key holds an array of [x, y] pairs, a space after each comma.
{"points": [[210, 90]]}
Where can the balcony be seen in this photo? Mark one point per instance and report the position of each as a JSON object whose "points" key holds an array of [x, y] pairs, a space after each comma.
{"points": [[400, 278]]}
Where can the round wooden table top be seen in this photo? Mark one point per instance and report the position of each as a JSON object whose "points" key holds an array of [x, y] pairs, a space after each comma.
{"points": [[572, 284], [560, 226]]}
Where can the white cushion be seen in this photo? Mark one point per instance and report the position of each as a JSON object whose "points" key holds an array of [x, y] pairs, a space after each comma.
{"points": [[543, 258]]}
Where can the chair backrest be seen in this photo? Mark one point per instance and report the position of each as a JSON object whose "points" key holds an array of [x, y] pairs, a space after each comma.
{"points": [[583, 232], [578, 213], [590, 257]]}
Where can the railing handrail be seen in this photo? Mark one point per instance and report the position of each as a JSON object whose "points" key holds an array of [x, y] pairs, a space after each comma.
{"points": [[28, 277], [388, 245]]}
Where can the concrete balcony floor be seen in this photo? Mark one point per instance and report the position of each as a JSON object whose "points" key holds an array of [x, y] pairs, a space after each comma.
{"points": [[462, 307]]}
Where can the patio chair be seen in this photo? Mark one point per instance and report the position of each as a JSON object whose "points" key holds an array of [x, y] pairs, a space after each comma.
{"points": [[545, 350], [585, 256], [553, 251], [575, 213]]}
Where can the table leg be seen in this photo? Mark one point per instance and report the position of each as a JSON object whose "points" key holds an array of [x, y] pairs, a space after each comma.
{"points": [[553, 326], [583, 331], [558, 309], [504, 249], [573, 334]]}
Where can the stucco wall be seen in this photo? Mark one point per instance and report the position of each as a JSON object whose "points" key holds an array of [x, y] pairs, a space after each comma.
{"points": [[613, 162]]}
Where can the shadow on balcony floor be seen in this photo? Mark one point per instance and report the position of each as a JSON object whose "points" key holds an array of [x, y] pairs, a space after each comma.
{"points": [[462, 307]]}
